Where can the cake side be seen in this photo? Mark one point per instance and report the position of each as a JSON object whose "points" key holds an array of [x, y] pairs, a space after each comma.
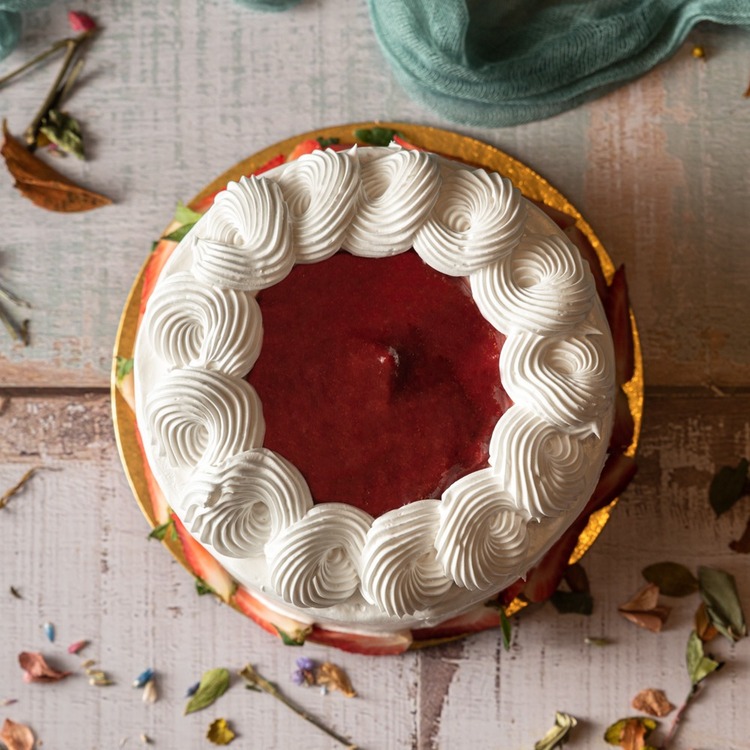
{"points": [[203, 424]]}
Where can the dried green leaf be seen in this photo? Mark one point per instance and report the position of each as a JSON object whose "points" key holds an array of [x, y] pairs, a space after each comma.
{"points": [[699, 665], [559, 734], [179, 234], [64, 131], [124, 367], [220, 733], [672, 578], [289, 640], [214, 683], [376, 136], [719, 593], [729, 484], [505, 629], [573, 602], [332, 676], [627, 730], [185, 215], [160, 532], [593, 640]]}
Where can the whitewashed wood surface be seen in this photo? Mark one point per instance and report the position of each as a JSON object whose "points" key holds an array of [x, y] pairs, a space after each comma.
{"points": [[174, 93]]}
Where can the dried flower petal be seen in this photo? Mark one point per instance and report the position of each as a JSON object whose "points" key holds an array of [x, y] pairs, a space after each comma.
{"points": [[559, 733], [16, 736], [192, 690], [8, 701], [643, 609], [653, 702], [595, 640], [15, 592], [49, 631], [703, 626], [630, 733], [719, 593], [77, 647], [332, 676], [150, 694], [305, 663], [143, 678], [36, 668], [220, 733], [81, 21]]}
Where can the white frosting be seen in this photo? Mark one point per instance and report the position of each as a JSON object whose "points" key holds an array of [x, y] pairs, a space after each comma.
{"points": [[203, 424]]}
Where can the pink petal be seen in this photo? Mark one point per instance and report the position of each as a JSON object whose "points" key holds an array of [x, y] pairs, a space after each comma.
{"points": [[36, 668], [81, 21]]}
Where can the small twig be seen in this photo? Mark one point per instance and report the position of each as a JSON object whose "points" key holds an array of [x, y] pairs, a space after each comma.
{"points": [[679, 716], [59, 85], [34, 61], [16, 488], [256, 681]]}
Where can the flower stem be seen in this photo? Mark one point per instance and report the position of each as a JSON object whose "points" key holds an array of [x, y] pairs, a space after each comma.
{"points": [[679, 716], [256, 681], [35, 61]]}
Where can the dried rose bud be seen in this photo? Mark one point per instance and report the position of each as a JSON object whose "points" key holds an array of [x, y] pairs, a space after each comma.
{"points": [[81, 21]]}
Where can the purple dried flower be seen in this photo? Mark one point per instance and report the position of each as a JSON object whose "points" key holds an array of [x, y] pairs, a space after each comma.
{"points": [[305, 663], [298, 677]]}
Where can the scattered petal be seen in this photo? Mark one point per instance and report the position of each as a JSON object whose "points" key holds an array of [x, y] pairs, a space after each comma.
{"points": [[143, 678], [214, 683], [630, 733], [16, 736], [81, 21], [719, 593], [672, 578], [742, 545], [145, 739], [36, 668], [699, 665], [332, 676], [703, 626], [643, 609], [150, 694], [304, 662], [729, 484], [49, 631], [594, 640], [220, 733], [8, 701], [559, 734], [653, 702], [192, 690], [15, 592], [77, 647]]}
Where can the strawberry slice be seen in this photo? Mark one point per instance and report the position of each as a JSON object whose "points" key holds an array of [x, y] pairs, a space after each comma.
{"points": [[405, 144], [377, 644], [275, 161], [617, 307], [159, 506], [304, 147], [268, 619], [159, 256], [617, 474], [481, 617], [203, 564]]}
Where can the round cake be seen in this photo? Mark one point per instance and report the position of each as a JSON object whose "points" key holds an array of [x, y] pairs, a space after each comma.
{"points": [[376, 385]]}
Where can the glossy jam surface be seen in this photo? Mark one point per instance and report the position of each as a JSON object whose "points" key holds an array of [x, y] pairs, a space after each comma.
{"points": [[379, 379]]}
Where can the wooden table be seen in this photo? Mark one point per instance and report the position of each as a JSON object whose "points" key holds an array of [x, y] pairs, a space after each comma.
{"points": [[172, 95]]}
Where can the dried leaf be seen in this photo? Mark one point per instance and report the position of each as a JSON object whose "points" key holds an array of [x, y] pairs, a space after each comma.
{"points": [[332, 676], [576, 578], [729, 484], [699, 665], [672, 578], [719, 593], [653, 702], [64, 131], [742, 545], [45, 186], [16, 736], [630, 733], [219, 733], [214, 683], [703, 626], [573, 602], [36, 668], [559, 734], [644, 610]]}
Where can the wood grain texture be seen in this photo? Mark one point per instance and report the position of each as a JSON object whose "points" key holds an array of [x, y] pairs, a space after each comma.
{"points": [[173, 94], [101, 579]]}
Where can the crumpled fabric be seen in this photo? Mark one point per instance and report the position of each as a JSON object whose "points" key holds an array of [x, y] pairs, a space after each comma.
{"points": [[493, 63]]}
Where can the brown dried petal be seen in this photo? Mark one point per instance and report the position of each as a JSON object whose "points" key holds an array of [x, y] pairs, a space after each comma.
{"points": [[647, 598], [36, 668], [43, 185], [652, 702], [17, 736], [703, 625], [643, 609], [633, 735], [331, 676]]}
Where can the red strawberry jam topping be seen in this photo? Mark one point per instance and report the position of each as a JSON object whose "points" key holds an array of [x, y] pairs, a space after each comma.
{"points": [[379, 379]]}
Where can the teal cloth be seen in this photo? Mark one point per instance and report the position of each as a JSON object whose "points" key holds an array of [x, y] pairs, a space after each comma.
{"points": [[10, 31], [493, 63]]}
